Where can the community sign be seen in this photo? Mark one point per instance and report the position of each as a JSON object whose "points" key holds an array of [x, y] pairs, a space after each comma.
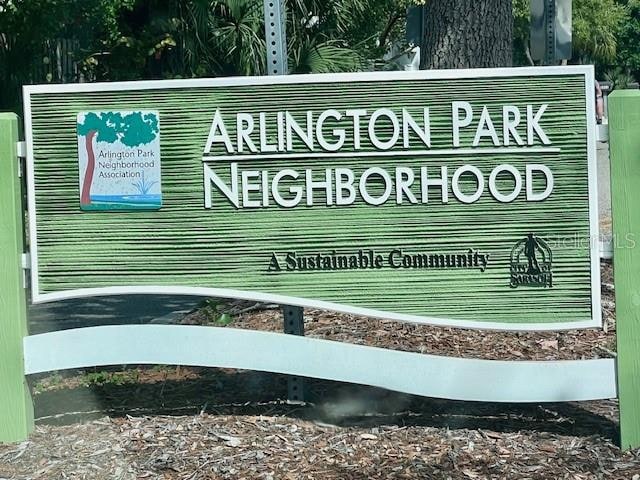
{"points": [[463, 198]]}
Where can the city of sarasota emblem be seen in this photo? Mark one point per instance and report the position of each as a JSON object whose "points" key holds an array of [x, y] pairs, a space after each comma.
{"points": [[531, 263]]}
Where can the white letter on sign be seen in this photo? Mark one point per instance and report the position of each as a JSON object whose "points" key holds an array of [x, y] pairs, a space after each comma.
{"points": [[364, 193], [218, 124], [538, 197], [297, 189], [404, 179], [459, 123], [339, 133], [409, 123], [244, 134], [231, 193], [437, 182], [533, 125], [455, 184], [380, 144], [486, 129], [510, 122], [347, 185], [517, 188]]}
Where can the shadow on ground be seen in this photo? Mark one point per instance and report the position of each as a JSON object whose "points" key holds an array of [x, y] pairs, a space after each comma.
{"points": [[230, 392], [110, 310]]}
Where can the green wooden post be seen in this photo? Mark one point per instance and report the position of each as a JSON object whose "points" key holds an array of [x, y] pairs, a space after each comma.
{"points": [[16, 409], [624, 138]]}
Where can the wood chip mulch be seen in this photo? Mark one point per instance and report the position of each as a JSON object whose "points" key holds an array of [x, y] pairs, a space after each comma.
{"points": [[259, 447], [190, 423]]}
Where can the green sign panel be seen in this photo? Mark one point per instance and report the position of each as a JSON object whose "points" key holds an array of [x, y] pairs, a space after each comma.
{"points": [[463, 198]]}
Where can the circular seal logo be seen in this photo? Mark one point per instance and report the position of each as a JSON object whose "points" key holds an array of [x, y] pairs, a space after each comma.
{"points": [[531, 260]]}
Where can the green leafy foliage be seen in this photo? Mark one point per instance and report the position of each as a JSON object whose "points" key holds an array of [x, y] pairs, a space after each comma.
{"points": [[629, 40], [619, 78], [31, 30], [214, 312], [110, 40], [521, 28], [328, 36], [605, 32], [101, 378], [597, 25], [195, 38]]}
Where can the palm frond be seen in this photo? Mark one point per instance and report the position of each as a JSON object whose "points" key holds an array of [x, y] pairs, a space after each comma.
{"points": [[326, 57]]}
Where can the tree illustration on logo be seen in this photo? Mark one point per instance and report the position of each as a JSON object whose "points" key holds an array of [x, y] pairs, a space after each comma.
{"points": [[133, 129]]}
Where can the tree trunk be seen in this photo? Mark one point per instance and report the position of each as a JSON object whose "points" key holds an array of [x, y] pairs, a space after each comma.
{"points": [[85, 195], [467, 34]]}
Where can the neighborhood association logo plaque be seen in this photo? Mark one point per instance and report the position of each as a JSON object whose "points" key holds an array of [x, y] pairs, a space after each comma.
{"points": [[119, 160], [531, 263]]}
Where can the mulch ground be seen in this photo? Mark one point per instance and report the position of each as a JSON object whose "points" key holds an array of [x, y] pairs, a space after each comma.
{"points": [[165, 422]]}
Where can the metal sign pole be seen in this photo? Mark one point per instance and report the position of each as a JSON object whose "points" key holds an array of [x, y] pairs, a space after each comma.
{"points": [[551, 30], [275, 27], [294, 325], [550, 27]]}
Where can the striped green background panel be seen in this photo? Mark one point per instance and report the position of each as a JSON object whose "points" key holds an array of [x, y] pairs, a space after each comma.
{"points": [[184, 244]]}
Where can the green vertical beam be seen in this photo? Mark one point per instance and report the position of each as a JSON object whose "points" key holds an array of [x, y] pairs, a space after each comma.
{"points": [[624, 138], [16, 409]]}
